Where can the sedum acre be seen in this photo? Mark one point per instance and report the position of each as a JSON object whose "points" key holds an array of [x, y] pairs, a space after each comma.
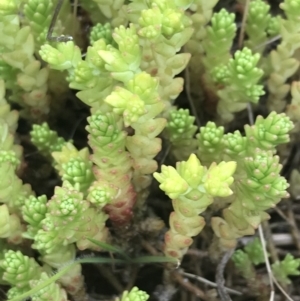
{"points": [[119, 87], [245, 262], [192, 188]]}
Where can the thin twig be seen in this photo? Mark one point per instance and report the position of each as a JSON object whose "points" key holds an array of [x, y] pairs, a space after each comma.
{"points": [[270, 242], [268, 266], [224, 296], [294, 229], [210, 283], [113, 280], [281, 289], [147, 246], [166, 152], [250, 113], [133, 275], [50, 37], [283, 215], [75, 9], [270, 273], [189, 96], [197, 253], [274, 39], [77, 123], [188, 285], [243, 25]]}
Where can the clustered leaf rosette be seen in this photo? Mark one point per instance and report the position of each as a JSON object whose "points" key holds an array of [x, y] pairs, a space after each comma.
{"points": [[102, 193], [133, 295], [72, 281], [143, 120], [33, 212], [269, 132], [191, 187], [257, 25], [135, 99], [289, 266], [253, 254], [240, 77], [219, 178], [245, 260], [52, 291], [243, 264], [263, 169], [19, 269], [74, 166], [78, 171], [23, 273], [243, 72], [180, 130], [39, 14], [12, 190], [23, 74], [64, 57], [86, 75], [265, 134], [274, 25], [283, 60], [258, 185], [103, 65], [15, 292], [45, 139], [124, 62], [70, 219], [166, 25], [91, 77], [210, 142], [219, 39], [102, 31], [162, 18], [234, 145], [255, 251], [139, 104], [112, 166]]}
